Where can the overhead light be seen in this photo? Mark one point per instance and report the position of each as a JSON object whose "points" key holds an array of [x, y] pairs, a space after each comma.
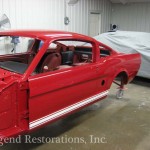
{"points": [[72, 2]]}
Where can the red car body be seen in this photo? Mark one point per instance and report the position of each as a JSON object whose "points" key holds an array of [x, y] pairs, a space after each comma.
{"points": [[28, 101]]}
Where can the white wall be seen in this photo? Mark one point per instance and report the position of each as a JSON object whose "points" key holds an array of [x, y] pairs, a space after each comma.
{"points": [[132, 17], [34, 14], [49, 14], [80, 12]]}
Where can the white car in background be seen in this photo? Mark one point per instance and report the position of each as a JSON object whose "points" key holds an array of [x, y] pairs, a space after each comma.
{"points": [[130, 42]]}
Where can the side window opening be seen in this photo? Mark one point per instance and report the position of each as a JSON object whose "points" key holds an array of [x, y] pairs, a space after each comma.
{"points": [[104, 52], [64, 54]]}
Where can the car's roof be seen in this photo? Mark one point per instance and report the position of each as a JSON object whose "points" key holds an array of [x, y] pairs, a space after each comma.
{"points": [[45, 34]]}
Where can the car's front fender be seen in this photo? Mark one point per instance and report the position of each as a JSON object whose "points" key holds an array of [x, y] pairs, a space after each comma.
{"points": [[7, 106]]}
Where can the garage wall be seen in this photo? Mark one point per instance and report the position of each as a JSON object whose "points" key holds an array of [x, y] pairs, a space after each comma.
{"points": [[34, 14], [49, 14], [132, 17], [79, 14]]}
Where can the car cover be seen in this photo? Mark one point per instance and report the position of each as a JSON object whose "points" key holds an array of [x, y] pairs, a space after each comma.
{"points": [[130, 42]]}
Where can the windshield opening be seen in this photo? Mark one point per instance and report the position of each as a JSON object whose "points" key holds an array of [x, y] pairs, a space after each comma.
{"points": [[17, 52]]}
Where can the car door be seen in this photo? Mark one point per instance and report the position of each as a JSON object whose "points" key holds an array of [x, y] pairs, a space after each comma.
{"points": [[57, 93]]}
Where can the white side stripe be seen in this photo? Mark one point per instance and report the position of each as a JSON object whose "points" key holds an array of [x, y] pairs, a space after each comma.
{"points": [[66, 110]]}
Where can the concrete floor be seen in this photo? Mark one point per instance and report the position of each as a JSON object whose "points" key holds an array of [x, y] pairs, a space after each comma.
{"points": [[115, 124]]}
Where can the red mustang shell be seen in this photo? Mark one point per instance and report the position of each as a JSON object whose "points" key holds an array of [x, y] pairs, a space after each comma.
{"points": [[29, 101]]}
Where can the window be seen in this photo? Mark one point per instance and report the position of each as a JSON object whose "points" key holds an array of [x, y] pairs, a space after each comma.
{"points": [[104, 52], [17, 52], [63, 54], [14, 44]]}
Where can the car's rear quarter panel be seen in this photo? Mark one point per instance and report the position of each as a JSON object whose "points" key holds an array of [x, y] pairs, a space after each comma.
{"points": [[130, 63]]}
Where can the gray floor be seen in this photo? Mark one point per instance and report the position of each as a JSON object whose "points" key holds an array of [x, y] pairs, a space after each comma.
{"points": [[112, 124]]}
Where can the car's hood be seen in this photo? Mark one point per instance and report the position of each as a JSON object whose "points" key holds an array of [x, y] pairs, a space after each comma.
{"points": [[7, 78]]}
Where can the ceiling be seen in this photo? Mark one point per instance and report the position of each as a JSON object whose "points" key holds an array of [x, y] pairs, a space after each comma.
{"points": [[128, 1]]}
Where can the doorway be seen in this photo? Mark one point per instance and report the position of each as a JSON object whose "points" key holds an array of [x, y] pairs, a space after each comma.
{"points": [[94, 23]]}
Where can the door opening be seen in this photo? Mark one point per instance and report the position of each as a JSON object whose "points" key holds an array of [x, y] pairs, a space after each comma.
{"points": [[94, 23]]}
